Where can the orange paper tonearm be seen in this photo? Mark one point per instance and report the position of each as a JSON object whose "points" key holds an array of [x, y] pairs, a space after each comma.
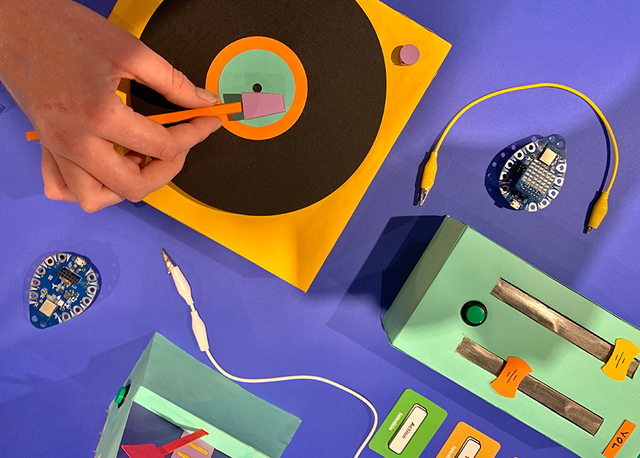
{"points": [[185, 115], [178, 116]]}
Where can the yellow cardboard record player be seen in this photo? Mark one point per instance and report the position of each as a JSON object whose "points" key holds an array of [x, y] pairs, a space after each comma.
{"points": [[280, 190]]}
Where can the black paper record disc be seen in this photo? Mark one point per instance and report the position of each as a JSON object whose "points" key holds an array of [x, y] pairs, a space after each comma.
{"points": [[341, 55]]}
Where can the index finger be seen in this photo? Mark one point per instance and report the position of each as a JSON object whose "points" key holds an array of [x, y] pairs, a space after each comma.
{"points": [[139, 62], [154, 176]]}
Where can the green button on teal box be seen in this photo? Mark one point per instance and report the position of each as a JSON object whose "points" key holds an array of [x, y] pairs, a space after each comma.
{"points": [[428, 321]]}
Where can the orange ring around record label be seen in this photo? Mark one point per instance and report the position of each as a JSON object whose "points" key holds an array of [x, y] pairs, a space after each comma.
{"points": [[299, 77]]}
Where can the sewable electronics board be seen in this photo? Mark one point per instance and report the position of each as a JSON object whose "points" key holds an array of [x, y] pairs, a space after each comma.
{"points": [[63, 286]]}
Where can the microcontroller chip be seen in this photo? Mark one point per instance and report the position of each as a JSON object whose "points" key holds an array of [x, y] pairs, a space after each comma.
{"points": [[63, 286], [532, 177]]}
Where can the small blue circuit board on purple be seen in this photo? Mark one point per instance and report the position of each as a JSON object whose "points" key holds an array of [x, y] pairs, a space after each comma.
{"points": [[532, 177], [63, 286]]}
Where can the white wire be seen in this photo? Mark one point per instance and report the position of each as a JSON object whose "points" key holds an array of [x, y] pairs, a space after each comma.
{"points": [[305, 377], [200, 333]]}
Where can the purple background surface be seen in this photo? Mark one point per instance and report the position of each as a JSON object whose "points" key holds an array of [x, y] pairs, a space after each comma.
{"points": [[56, 384]]}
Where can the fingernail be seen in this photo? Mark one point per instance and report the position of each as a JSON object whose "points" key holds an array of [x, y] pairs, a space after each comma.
{"points": [[217, 125], [206, 95]]}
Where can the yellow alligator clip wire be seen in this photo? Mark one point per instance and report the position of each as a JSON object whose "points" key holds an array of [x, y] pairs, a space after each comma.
{"points": [[599, 209]]}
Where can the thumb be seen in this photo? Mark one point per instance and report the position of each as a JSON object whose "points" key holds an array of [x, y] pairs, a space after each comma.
{"points": [[155, 72]]}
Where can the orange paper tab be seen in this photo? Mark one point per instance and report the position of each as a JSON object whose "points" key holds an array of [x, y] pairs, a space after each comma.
{"points": [[507, 383], [618, 363], [466, 441], [186, 115], [619, 439]]}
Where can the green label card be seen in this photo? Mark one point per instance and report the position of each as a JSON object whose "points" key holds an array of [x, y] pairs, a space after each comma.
{"points": [[408, 428]]}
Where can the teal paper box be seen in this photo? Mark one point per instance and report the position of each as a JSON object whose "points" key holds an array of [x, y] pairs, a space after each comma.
{"points": [[460, 266], [175, 386]]}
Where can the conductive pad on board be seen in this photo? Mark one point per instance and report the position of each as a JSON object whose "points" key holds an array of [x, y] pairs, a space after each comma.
{"points": [[408, 429], [617, 365], [507, 383]]}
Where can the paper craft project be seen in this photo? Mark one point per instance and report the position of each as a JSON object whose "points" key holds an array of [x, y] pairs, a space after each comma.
{"points": [[280, 189], [467, 442], [528, 385], [565, 339], [623, 433], [409, 54], [620, 362], [197, 449], [175, 387], [408, 428], [144, 427], [252, 106], [151, 451], [510, 377]]}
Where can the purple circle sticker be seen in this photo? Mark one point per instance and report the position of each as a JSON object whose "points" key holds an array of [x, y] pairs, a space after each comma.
{"points": [[409, 54]]}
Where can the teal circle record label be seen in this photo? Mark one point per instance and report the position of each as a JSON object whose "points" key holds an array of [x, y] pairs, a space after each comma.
{"points": [[241, 74]]}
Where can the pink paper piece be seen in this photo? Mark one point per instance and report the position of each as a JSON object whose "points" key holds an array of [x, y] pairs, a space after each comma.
{"points": [[257, 104], [409, 54]]}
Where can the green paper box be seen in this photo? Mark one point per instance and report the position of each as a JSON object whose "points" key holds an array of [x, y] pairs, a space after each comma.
{"points": [[461, 266], [174, 385]]}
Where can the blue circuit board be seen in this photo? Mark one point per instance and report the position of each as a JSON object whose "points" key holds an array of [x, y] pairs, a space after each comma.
{"points": [[63, 286], [532, 177]]}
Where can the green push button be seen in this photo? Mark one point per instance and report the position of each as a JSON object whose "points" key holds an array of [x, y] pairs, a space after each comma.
{"points": [[474, 313], [122, 394]]}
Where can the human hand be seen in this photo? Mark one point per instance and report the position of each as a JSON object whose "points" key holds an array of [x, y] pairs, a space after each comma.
{"points": [[63, 63]]}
